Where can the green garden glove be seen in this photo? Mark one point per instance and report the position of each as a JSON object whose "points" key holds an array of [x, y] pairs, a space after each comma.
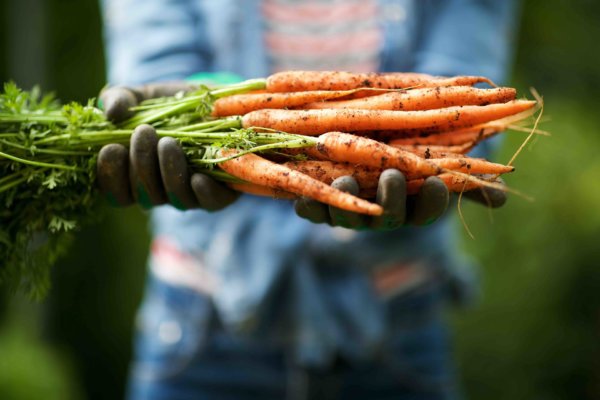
{"points": [[400, 209], [489, 197], [152, 171], [116, 101]]}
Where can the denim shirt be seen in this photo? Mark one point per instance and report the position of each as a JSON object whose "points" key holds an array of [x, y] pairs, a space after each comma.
{"points": [[275, 274]]}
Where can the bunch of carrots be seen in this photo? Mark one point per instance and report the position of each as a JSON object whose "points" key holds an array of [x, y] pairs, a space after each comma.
{"points": [[285, 136], [362, 124]]}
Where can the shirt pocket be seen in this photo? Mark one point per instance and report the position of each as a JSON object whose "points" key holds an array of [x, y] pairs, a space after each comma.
{"points": [[397, 19], [171, 330], [418, 349]]}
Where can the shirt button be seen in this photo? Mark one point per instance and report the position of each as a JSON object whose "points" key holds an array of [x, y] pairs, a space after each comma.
{"points": [[342, 234], [169, 332], [393, 12]]}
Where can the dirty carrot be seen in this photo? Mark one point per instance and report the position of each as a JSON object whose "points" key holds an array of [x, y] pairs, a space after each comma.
{"points": [[455, 137], [455, 184], [328, 171], [344, 147], [474, 134], [470, 165], [241, 104], [368, 177], [260, 171], [436, 151], [459, 137], [314, 122], [293, 81], [423, 99], [258, 190], [263, 191]]}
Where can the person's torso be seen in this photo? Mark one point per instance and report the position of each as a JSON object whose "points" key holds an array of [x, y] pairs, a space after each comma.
{"points": [[248, 34]]}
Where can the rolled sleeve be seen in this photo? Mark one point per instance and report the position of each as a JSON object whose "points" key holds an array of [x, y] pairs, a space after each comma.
{"points": [[153, 40], [467, 37]]}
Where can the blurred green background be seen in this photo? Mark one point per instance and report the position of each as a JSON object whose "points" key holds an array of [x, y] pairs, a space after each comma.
{"points": [[534, 335]]}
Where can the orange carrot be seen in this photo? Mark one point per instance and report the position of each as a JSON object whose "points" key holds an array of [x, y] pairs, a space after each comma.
{"points": [[241, 104], [387, 136], [456, 137], [344, 147], [255, 169], [368, 177], [328, 171], [263, 191], [469, 165], [457, 81], [455, 184], [258, 190], [306, 152], [435, 151], [423, 99], [314, 122], [460, 136], [294, 81]]}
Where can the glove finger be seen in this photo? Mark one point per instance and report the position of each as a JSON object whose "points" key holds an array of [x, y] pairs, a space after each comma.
{"points": [[343, 218], [162, 89], [430, 203], [212, 195], [493, 198], [391, 195], [116, 103], [175, 175], [144, 171], [112, 174], [312, 210]]}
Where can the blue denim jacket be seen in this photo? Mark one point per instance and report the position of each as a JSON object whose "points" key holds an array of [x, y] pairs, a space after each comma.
{"points": [[279, 276]]}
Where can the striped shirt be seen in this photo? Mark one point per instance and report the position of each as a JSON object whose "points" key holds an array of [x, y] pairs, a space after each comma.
{"points": [[322, 34]]}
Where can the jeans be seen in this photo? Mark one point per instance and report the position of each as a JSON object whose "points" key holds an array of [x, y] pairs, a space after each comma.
{"points": [[182, 352]]}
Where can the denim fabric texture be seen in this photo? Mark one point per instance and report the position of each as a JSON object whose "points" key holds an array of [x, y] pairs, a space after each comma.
{"points": [[290, 292], [183, 352]]}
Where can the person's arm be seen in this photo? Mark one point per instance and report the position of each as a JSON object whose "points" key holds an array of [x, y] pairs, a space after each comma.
{"points": [[456, 37], [152, 41], [467, 37], [149, 42]]}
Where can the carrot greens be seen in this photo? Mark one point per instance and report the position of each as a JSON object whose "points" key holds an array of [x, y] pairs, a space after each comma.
{"points": [[422, 127], [48, 166]]}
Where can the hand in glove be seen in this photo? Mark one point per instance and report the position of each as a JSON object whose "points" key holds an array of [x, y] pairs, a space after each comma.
{"points": [[118, 100], [152, 171], [399, 208]]}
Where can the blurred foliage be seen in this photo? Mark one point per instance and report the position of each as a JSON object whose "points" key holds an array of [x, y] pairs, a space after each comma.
{"points": [[535, 333], [92, 304], [29, 368], [75, 63], [556, 46], [86, 324]]}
